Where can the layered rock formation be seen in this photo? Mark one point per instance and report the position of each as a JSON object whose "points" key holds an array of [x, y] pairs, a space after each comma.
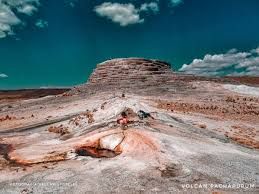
{"points": [[131, 70], [200, 132], [127, 74], [139, 75]]}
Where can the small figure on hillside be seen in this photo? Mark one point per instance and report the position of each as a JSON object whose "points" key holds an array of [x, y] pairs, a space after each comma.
{"points": [[143, 115], [123, 120]]}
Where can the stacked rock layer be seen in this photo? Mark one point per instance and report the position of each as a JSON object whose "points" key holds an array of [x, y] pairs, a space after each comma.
{"points": [[139, 75], [130, 71]]}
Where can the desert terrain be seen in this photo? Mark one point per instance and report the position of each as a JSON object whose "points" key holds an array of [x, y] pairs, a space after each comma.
{"points": [[203, 135]]}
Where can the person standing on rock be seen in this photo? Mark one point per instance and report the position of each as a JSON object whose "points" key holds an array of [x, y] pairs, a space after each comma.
{"points": [[123, 120]]}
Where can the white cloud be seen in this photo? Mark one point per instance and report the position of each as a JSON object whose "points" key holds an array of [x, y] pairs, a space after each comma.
{"points": [[2, 75], [152, 6], [8, 10], [230, 63], [176, 2], [125, 14], [7, 19], [256, 50], [27, 9], [41, 23]]}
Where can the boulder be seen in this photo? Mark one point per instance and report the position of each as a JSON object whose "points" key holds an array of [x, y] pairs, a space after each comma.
{"points": [[110, 142]]}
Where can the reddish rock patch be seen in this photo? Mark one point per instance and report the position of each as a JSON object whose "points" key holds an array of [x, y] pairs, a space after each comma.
{"points": [[244, 135], [90, 116], [62, 130], [7, 118], [231, 108], [54, 157]]}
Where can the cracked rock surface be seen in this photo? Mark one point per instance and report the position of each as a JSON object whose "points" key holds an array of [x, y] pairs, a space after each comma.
{"points": [[201, 133]]}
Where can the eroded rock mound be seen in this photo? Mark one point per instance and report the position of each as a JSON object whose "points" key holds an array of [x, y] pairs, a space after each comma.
{"points": [[137, 75], [130, 70], [199, 132]]}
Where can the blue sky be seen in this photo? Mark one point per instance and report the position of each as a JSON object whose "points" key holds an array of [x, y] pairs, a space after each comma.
{"points": [[46, 43]]}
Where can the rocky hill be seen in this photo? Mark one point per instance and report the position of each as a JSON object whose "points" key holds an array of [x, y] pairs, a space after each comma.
{"points": [[131, 70], [199, 130], [128, 74], [144, 76]]}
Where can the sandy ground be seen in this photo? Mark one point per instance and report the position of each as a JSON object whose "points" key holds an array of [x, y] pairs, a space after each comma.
{"points": [[205, 137]]}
